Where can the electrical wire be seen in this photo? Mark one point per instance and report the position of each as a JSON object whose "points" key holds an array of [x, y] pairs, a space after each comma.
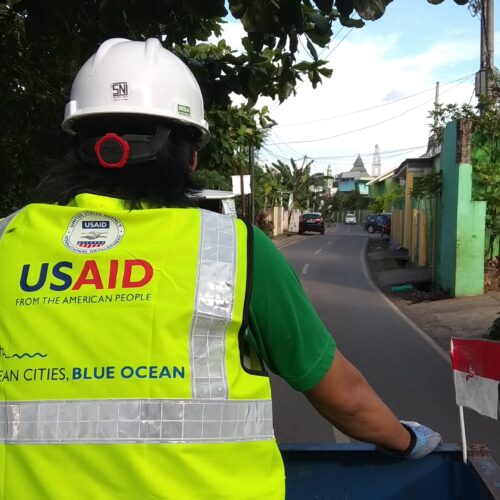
{"points": [[360, 129], [277, 156], [391, 153], [350, 113], [284, 144], [383, 154], [344, 37]]}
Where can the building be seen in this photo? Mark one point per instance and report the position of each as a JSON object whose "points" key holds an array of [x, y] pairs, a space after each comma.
{"points": [[356, 179]]}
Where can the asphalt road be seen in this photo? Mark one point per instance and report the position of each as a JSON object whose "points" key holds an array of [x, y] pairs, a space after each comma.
{"points": [[405, 367]]}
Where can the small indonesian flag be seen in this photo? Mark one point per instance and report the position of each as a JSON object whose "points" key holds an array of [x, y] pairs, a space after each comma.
{"points": [[476, 370]]}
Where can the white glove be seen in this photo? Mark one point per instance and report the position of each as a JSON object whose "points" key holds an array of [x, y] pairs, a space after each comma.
{"points": [[423, 442]]}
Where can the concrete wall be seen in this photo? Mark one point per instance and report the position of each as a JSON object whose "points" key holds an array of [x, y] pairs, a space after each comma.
{"points": [[279, 217], [408, 213], [293, 226], [461, 226]]}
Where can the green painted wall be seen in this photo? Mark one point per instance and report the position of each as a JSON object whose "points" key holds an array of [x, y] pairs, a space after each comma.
{"points": [[462, 225], [389, 186], [470, 238], [448, 213]]}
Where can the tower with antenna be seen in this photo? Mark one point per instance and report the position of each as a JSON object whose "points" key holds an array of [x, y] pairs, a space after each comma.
{"points": [[376, 164]]}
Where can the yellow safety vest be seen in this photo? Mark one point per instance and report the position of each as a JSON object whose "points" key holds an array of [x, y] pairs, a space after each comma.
{"points": [[121, 373]]}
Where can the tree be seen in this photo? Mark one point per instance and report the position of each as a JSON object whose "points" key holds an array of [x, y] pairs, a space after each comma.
{"points": [[289, 182], [300, 186], [486, 164], [44, 42]]}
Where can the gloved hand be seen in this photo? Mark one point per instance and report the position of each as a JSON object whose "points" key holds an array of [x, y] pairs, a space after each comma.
{"points": [[423, 441]]}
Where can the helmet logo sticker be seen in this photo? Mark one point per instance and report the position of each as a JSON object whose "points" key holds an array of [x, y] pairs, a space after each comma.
{"points": [[119, 90], [182, 109], [91, 232]]}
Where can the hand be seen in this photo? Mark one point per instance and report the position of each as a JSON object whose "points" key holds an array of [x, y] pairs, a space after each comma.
{"points": [[423, 441]]}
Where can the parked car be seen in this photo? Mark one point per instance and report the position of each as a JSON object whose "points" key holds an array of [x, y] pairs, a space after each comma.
{"points": [[350, 218], [378, 223], [312, 221]]}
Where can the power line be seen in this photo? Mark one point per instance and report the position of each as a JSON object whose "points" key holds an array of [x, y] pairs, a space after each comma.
{"points": [[279, 157], [360, 129], [344, 37], [388, 153], [285, 144], [350, 113]]}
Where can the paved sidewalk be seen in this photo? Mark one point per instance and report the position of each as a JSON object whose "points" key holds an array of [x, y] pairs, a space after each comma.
{"points": [[438, 315]]}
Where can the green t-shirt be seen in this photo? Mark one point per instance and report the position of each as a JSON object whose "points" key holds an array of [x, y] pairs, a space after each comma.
{"points": [[285, 329]]}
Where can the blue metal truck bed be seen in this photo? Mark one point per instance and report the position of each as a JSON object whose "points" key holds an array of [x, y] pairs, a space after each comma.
{"points": [[360, 472]]}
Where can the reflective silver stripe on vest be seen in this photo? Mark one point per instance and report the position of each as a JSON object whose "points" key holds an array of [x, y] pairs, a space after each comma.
{"points": [[5, 222], [213, 308], [135, 421]]}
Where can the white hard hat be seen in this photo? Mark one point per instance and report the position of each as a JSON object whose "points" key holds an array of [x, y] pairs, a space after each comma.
{"points": [[136, 78]]}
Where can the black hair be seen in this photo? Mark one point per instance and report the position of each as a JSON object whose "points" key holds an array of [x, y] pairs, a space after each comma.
{"points": [[162, 182]]}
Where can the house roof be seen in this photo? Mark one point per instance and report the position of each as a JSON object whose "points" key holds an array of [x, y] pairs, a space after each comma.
{"points": [[383, 177], [414, 164], [359, 166]]}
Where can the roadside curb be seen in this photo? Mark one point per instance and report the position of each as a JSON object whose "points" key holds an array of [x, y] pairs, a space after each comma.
{"points": [[442, 317], [424, 335]]}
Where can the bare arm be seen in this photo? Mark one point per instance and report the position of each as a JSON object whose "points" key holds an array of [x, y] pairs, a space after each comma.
{"points": [[345, 399]]}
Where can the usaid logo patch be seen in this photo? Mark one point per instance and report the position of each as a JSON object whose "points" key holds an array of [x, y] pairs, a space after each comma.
{"points": [[95, 224], [91, 232]]}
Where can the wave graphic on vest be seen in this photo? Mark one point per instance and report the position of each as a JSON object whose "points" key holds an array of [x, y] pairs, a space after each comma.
{"points": [[3, 354]]}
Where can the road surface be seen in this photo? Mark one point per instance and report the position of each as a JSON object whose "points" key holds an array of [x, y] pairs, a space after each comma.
{"points": [[407, 369]]}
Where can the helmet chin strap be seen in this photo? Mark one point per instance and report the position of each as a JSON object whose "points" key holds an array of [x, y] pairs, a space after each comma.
{"points": [[114, 151]]}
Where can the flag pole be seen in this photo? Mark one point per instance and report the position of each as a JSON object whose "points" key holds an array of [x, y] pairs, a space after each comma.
{"points": [[462, 428]]}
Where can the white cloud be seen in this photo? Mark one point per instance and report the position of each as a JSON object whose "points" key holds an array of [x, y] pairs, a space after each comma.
{"points": [[369, 72], [367, 75]]}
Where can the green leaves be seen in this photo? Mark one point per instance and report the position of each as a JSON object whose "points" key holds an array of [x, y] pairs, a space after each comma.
{"points": [[371, 10], [43, 44], [325, 6], [427, 186], [280, 180], [345, 7], [458, 2], [233, 129], [319, 29], [213, 8]]}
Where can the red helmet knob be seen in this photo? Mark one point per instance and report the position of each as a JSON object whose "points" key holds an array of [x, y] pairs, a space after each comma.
{"points": [[112, 151]]}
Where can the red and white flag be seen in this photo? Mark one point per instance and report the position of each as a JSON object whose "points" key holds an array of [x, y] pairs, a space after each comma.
{"points": [[476, 371]]}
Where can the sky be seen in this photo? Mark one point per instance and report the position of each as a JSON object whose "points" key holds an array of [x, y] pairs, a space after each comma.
{"points": [[382, 88]]}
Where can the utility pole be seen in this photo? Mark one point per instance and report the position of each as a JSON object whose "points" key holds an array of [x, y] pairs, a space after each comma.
{"points": [[436, 103], [432, 145], [487, 34], [485, 74], [242, 187], [251, 170]]}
